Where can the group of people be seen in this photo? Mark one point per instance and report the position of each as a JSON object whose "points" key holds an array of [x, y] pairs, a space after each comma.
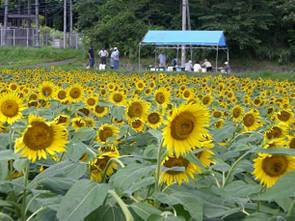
{"points": [[104, 54], [204, 66]]}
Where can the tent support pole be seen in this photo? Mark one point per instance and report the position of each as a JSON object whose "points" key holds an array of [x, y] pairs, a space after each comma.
{"points": [[139, 60], [155, 57], [227, 55], [216, 62]]}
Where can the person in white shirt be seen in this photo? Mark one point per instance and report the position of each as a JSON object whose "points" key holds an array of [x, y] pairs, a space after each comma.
{"points": [[197, 67], [188, 66], [207, 65], [103, 54]]}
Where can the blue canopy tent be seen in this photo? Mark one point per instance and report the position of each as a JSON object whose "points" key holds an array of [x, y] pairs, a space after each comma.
{"points": [[193, 39]]}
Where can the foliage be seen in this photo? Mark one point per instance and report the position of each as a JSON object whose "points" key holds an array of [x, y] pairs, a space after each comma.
{"points": [[121, 177]]}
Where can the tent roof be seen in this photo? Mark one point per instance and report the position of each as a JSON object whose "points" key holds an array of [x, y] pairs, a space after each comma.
{"points": [[196, 38]]}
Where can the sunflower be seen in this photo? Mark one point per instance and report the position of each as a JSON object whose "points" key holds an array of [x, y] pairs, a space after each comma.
{"points": [[47, 90], [154, 119], [90, 102], [140, 85], [162, 97], [176, 170], [75, 93], [117, 98], [285, 116], [205, 157], [219, 124], [217, 114], [62, 119], [268, 169], [107, 131], [41, 138], [61, 95], [237, 113], [276, 132], [185, 128], [78, 123], [251, 120], [100, 111], [137, 125], [207, 100], [137, 108], [2, 128], [98, 166], [11, 107], [291, 142]]}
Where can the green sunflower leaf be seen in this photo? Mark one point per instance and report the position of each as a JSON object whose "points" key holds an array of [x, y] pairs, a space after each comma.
{"points": [[83, 198]]}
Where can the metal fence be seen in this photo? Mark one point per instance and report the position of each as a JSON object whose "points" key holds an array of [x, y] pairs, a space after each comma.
{"points": [[28, 37]]}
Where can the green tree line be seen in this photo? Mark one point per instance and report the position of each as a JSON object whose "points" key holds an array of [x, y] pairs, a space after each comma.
{"points": [[260, 29], [263, 29]]}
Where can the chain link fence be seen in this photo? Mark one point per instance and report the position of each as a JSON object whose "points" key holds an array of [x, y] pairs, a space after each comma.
{"points": [[28, 37]]}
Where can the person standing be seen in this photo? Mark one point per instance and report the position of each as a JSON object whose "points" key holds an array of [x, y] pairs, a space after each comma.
{"points": [[103, 54], [115, 57], [207, 65], [91, 57]]}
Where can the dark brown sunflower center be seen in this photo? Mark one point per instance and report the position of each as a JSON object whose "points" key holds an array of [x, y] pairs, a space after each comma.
{"points": [[206, 100], [84, 111], [91, 101], [186, 94], [105, 133], [275, 132], [236, 112], [62, 120], [153, 118], [101, 163], [135, 110], [75, 92], [284, 116], [140, 85], [217, 114], [249, 120], [39, 136], [47, 91], [136, 124], [99, 109], [175, 162], [292, 143], [275, 165], [160, 98], [61, 95], [9, 108], [182, 126], [117, 97], [13, 87], [79, 123]]}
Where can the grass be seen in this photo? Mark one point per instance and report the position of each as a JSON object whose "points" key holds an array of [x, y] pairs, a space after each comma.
{"points": [[17, 57]]}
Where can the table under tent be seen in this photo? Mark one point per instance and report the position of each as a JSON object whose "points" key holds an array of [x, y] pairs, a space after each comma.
{"points": [[209, 40]]}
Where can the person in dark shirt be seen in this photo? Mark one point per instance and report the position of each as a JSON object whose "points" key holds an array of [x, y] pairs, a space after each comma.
{"points": [[91, 57]]}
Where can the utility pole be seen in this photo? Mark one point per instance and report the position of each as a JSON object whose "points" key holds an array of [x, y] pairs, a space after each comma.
{"points": [[29, 13], [65, 24], [5, 20], [37, 22], [71, 24], [184, 9]]}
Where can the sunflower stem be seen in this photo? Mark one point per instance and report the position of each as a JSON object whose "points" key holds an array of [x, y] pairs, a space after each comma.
{"points": [[126, 212], [229, 173], [35, 213], [104, 173], [158, 168], [26, 180]]}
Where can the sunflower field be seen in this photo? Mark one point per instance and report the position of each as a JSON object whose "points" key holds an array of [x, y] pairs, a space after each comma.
{"points": [[90, 146]]}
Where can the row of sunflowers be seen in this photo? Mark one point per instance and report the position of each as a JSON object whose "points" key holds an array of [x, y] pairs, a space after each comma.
{"points": [[89, 146]]}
